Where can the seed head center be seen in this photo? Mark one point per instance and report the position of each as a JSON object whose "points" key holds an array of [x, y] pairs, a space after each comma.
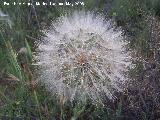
{"points": [[81, 58]]}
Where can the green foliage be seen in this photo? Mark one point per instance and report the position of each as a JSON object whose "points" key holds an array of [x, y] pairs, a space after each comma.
{"points": [[124, 9], [92, 4], [14, 67], [156, 7]]}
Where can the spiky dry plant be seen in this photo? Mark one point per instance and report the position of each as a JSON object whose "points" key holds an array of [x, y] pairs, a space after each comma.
{"points": [[83, 56]]}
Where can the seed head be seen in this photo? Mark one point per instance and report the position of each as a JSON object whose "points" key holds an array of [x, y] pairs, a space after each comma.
{"points": [[83, 55]]}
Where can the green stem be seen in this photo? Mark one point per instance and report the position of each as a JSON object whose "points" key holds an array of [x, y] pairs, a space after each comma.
{"points": [[39, 110]]}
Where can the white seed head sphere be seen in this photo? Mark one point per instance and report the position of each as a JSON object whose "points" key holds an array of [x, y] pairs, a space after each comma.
{"points": [[83, 56]]}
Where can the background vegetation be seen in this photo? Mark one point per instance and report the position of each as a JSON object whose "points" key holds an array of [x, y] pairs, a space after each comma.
{"points": [[22, 98]]}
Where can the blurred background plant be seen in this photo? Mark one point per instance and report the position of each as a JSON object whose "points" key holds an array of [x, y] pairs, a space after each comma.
{"points": [[22, 98]]}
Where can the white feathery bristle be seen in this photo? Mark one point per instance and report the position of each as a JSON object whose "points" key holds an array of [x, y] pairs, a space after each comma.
{"points": [[83, 55]]}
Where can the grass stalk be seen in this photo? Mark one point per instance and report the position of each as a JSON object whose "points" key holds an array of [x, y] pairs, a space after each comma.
{"points": [[38, 104]]}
